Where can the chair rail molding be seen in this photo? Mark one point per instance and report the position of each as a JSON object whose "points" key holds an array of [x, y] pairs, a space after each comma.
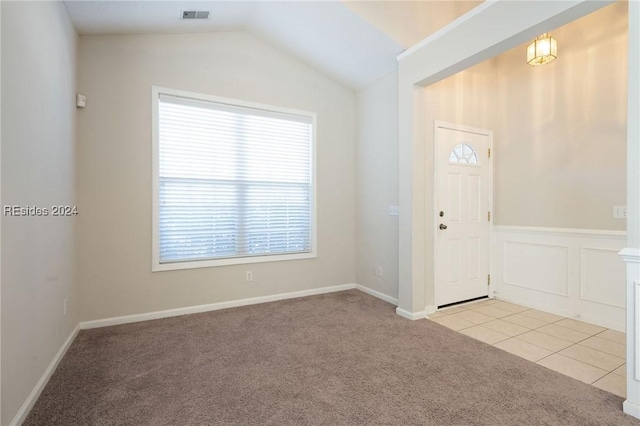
{"points": [[630, 255]]}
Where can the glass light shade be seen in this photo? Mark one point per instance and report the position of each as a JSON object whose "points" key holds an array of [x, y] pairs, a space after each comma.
{"points": [[543, 50]]}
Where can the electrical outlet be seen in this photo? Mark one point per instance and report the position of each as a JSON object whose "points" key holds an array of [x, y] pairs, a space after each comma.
{"points": [[249, 276], [394, 210], [379, 271], [65, 306]]}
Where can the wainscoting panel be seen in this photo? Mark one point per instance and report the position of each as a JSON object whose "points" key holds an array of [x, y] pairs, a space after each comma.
{"points": [[575, 273], [521, 266], [598, 275]]}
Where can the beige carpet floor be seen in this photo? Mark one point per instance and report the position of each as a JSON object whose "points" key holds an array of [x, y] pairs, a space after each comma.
{"points": [[338, 359]]}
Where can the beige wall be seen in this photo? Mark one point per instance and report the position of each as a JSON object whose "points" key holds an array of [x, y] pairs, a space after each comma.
{"points": [[114, 176], [560, 138], [38, 156], [377, 185]]}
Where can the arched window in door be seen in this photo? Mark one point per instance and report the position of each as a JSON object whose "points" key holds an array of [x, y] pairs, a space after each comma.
{"points": [[463, 154]]}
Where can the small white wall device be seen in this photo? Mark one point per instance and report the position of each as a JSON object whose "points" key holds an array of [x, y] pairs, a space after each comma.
{"points": [[81, 101]]}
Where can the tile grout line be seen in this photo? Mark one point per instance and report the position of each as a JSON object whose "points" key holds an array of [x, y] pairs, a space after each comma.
{"points": [[607, 372], [556, 353], [540, 331], [506, 316], [609, 340], [547, 334], [574, 344], [585, 362]]}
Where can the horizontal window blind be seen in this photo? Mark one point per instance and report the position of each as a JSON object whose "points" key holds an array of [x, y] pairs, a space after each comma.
{"points": [[233, 181]]}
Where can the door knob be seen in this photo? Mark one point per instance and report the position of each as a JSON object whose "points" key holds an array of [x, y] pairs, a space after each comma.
{"points": [[443, 226]]}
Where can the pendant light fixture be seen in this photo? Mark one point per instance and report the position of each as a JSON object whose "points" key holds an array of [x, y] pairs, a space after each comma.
{"points": [[543, 50]]}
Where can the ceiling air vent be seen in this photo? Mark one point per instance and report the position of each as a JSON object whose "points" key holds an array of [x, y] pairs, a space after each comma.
{"points": [[195, 14]]}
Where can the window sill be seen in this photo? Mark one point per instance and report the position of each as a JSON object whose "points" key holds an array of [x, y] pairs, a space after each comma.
{"points": [[159, 267]]}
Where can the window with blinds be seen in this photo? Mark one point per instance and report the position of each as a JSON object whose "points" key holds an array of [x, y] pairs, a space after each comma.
{"points": [[233, 181]]}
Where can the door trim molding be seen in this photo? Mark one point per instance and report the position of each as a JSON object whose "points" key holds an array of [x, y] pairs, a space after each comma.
{"points": [[439, 124]]}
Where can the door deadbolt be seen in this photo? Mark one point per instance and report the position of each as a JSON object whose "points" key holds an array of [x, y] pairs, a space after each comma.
{"points": [[443, 226], [441, 214]]}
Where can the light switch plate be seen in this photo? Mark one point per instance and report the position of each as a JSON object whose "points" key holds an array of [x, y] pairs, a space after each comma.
{"points": [[81, 101], [620, 212]]}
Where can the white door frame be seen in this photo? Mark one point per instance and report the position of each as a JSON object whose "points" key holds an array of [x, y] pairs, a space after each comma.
{"points": [[489, 133]]}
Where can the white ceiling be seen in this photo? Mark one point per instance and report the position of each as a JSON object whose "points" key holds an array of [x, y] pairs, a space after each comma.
{"points": [[326, 35], [140, 17]]}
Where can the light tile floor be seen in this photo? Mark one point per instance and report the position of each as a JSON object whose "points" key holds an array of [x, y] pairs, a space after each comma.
{"points": [[586, 352]]}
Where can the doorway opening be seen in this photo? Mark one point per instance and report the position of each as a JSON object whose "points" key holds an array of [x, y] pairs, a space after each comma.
{"points": [[559, 160]]}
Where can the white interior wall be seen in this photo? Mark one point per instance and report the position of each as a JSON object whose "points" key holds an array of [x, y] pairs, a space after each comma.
{"points": [[114, 168], [38, 157], [377, 185]]}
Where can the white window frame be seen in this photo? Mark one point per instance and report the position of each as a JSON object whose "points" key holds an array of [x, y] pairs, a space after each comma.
{"points": [[156, 266]]}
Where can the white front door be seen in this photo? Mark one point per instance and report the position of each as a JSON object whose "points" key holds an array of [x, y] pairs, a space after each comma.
{"points": [[462, 214]]}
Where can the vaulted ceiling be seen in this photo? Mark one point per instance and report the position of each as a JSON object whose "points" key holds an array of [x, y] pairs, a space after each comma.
{"points": [[353, 42]]}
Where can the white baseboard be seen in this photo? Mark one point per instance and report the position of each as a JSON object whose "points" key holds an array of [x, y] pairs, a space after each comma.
{"points": [[432, 309], [631, 408], [604, 322], [532, 304], [597, 320], [37, 390], [85, 325], [377, 294], [411, 315]]}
